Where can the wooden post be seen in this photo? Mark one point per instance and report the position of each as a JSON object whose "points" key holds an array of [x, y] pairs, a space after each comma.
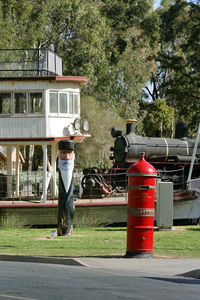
{"points": [[17, 172], [9, 170], [44, 195], [53, 169]]}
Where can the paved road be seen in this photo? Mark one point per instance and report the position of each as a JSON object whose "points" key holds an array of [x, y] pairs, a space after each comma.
{"points": [[98, 278]]}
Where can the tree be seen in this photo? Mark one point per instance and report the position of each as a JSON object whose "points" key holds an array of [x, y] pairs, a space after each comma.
{"points": [[159, 119], [131, 45], [177, 77], [113, 43], [107, 41], [95, 151], [23, 23]]}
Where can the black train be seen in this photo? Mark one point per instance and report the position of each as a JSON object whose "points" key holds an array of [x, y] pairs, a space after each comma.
{"points": [[170, 157], [127, 147]]}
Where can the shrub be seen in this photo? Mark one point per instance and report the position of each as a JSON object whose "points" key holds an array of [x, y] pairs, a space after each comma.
{"points": [[13, 221]]}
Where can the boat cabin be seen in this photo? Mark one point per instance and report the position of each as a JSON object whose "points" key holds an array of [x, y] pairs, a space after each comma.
{"points": [[38, 106]]}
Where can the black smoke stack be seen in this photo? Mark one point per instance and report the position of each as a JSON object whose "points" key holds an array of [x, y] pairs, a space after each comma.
{"points": [[181, 131], [130, 126]]}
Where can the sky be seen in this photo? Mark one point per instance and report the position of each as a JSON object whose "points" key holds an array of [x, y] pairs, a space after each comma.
{"points": [[156, 3]]}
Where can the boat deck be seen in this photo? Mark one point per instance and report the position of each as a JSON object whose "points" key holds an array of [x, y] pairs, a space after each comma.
{"points": [[107, 210]]}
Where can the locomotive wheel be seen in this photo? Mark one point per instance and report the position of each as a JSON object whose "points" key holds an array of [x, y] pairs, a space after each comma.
{"points": [[120, 189]]}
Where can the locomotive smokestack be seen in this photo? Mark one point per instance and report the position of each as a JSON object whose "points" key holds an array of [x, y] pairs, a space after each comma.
{"points": [[181, 131], [130, 126]]}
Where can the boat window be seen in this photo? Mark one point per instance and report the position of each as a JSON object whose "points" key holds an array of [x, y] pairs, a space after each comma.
{"points": [[5, 103], [35, 103], [63, 101], [75, 104], [70, 103], [20, 104], [53, 103]]}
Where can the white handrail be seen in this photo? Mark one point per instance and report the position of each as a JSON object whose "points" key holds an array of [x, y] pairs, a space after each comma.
{"points": [[193, 156]]}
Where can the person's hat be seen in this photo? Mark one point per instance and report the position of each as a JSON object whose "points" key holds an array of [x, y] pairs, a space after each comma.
{"points": [[66, 144]]}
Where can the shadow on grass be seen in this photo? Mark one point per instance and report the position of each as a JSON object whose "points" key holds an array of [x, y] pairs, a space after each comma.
{"points": [[6, 247], [193, 229], [110, 229]]}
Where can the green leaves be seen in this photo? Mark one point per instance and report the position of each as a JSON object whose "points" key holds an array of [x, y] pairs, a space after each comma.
{"points": [[119, 45], [159, 119], [178, 70]]}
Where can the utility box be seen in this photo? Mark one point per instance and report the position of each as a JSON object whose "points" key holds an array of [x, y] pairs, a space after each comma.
{"points": [[164, 212]]}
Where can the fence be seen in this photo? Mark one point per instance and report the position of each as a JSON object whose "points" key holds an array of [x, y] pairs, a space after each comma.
{"points": [[29, 62], [176, 176], [89, 186], [31, 184], [99, 183]]}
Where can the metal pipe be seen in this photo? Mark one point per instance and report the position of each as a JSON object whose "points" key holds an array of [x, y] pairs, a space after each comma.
{"points": [[193, 156]]}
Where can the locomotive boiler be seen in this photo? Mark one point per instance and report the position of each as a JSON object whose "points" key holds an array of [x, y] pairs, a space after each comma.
{"points": [[170, 156], [127, 147]]}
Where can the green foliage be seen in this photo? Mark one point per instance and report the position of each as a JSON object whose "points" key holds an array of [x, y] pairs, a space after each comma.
{"points": [[85, 221], [177, 77], [131, 46], [79, 34], [167, 3], [159, 119], [23, 23], [120, 46], [13, 221], [109, 42], [95, 151]]}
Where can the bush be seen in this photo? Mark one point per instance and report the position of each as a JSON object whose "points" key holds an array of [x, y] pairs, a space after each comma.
{"points": [[95, 150], [86, 221], [13, 221]]}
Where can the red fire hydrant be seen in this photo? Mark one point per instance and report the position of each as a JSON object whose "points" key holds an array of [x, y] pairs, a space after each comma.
{"points": [[140, 214]]}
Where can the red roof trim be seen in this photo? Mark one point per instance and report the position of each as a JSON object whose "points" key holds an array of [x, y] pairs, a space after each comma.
{"points": [[71, 78], [81, 80]]}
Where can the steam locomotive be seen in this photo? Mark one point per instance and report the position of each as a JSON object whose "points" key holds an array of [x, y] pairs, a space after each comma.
{"points": [[170, 157]]}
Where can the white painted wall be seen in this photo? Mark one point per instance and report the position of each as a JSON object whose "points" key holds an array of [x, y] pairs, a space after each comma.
{"points": [[37, 126]]}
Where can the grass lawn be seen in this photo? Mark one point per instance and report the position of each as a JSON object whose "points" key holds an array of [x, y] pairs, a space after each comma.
{"points": [[181, 242]]}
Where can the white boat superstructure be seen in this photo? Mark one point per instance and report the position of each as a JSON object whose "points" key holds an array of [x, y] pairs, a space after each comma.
{"points": [[38, 110]]}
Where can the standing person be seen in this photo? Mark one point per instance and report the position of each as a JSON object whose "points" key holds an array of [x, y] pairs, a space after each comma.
{"points": [[66, 207]]}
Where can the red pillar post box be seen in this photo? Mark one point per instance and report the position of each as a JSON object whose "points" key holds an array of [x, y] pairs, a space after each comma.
{"points": [[140, 212]]}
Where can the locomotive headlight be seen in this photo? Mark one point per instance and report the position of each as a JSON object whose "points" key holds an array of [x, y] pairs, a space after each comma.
{"points": [[77, 124], [86, 126]]}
